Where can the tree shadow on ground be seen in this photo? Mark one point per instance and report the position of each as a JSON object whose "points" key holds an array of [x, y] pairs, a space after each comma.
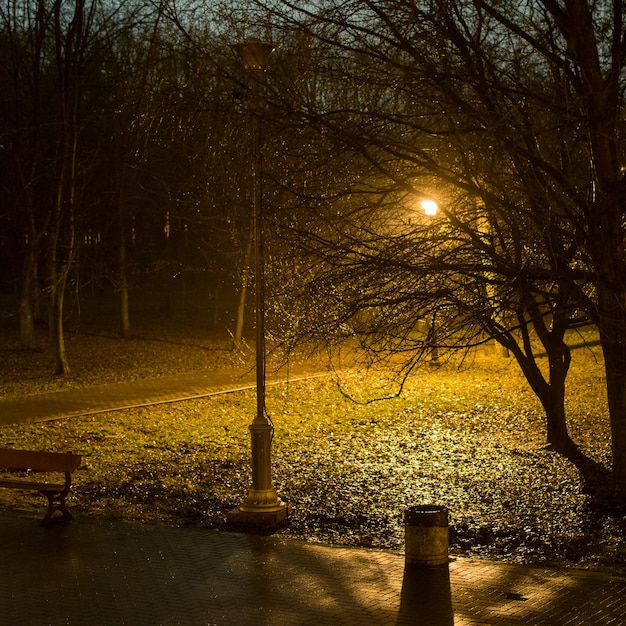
{"points": [[495, 593], [597, 482], [605, 512]]}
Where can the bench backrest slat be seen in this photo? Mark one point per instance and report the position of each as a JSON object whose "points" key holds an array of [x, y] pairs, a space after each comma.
{"points": [[39, 461]]}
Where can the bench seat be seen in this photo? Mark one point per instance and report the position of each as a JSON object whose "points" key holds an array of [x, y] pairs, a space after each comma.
{"points": [[20, 465]]}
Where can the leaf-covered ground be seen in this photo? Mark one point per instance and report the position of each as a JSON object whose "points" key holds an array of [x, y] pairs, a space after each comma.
{"points": [[469, 437]]}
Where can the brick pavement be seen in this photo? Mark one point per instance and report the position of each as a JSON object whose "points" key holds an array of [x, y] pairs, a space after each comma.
{"points": [[99, 573]]}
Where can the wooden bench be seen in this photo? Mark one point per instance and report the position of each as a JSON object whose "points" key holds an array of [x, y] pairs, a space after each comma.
{"points": [[19, 465]]}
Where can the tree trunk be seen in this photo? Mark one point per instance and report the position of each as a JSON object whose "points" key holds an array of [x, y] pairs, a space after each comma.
{"points": [[62, 364], [609, 256], [26, 312], [557, 433], [124, 313], [616, 393], [58, 271], [559, 359], [552, 398], [600, 92], [57, 280], [215, 318], [241, 311], [29, 300], [612, 326], [551, 393], [241, 308]]}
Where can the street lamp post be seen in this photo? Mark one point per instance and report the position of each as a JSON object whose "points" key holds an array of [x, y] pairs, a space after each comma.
{"points": [[262, 504]]}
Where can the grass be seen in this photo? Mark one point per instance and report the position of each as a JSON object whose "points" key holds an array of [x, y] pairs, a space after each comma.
{"points": [[469, 437]]}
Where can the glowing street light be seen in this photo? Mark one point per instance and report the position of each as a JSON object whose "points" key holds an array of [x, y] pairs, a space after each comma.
{"points": [[430, 207], [262, 504]]}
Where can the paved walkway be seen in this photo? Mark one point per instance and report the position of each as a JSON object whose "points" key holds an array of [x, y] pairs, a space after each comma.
{"points": [[115, 396], [97, 573]]}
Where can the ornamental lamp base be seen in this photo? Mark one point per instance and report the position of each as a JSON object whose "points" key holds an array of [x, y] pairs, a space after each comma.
{"points": [[261, 507], [246, 516]]}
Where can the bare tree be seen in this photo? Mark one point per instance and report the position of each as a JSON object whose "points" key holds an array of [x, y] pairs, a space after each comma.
{"points": [[55, 93], [512, 111]]}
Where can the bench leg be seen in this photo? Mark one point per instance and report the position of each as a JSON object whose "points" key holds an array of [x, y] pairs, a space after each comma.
{"points": [[56, 502]]}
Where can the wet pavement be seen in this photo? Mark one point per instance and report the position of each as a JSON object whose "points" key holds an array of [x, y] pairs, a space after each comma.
{"points": [[95, 572]]}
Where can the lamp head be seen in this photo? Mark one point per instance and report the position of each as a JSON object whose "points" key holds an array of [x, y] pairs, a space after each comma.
{"points": [[255, 54]]}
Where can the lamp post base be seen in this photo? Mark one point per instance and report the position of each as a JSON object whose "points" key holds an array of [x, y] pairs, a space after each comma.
{"points": [[249, 513], [262, 506]]}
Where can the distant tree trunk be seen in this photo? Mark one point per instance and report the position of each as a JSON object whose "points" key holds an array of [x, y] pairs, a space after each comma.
{"points": [[29, 301], [69, 48], [62, 364], [124, 313], [61, 240], [431, 341], [57, 281], [241, 307], [26, 305], [501, 350], [216, 307], [123, 277]]}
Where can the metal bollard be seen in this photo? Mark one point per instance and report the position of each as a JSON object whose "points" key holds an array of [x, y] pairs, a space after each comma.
{"points": [[426, 535]]}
